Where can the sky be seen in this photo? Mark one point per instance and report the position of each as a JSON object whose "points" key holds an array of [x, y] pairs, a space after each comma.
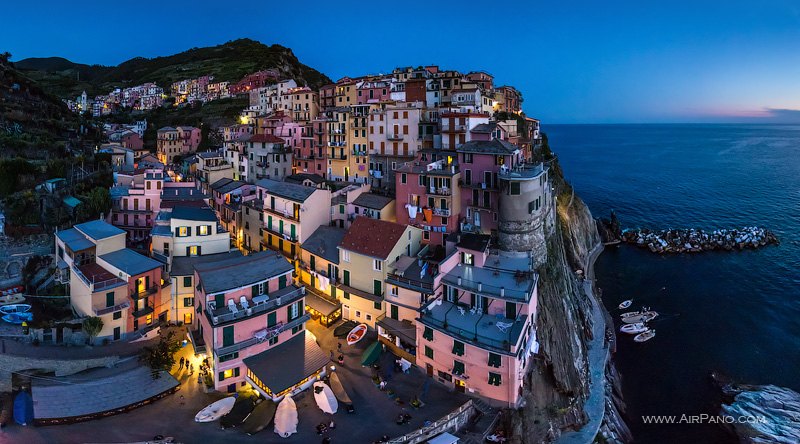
{"points": [[575, 61]]}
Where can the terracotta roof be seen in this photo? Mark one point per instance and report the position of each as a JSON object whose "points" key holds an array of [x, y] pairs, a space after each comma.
{"points": [[266, 138], [372, 237]]}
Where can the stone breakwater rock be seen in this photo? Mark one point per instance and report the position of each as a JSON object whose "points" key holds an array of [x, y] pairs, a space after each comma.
{"points": [[694, 241], [761, 413]]}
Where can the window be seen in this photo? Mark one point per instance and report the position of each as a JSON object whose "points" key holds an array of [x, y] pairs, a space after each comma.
{"points": [[346, 258], [110, 299], [446, 376], [494, 360], [193, 250], [458, 368], [346, 277], [428, 333], [187, 281], [188, 302], [468, 259], [369, 317], [346, 295], [514, 189], [377, 265], [467, 157], [377, 305], [403, 178], [204, 230], [377, 287], [183, 232], [358, 314], [494, 378], [394, 290], [458, 348], [273, 340], [341, 209], [296, 328], [117, 315], [272, 319], [428, 352]]}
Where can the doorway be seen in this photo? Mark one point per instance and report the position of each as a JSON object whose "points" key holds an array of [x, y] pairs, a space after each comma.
{"points": [[429, 369], [461, 386]]}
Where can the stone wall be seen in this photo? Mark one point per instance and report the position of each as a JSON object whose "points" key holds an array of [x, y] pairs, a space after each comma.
{"points": [[61, 367]]}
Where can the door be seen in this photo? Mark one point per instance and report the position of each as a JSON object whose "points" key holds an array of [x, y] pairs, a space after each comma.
{"points": [[346, 277], [429, 369], [393, 312], [282, 282], [227, 336], [219, 301], [461, 386], [346, 311], [280, 226], [116, 333], [269, 222]]}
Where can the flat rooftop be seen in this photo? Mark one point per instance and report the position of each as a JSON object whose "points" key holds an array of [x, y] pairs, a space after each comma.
{"points": [[495, 280]]}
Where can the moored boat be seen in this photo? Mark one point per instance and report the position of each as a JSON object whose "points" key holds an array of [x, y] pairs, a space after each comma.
{"points": [[634, 329], [215, 410], [625, 304], [356, 334], [645, 336]]}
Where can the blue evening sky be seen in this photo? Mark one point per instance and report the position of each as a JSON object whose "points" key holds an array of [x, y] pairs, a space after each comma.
{"points": [[580, 61]]}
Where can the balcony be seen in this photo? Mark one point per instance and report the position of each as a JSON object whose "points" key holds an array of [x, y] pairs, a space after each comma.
{"points": [[136, 295], [444, 212], [273, 231], [515, 286], [394, 137], [412, 284], [96, 285], [144, 311], [116, 208], [440, 191], [107, 310], [258, 305], [284, 214], [262, 336]]}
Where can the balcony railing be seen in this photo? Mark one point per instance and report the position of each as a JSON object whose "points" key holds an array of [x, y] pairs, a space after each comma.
{"points": [[146, 310], [95, 286], [277, 299], [284, 214], [444, 212], [441, 191], [394, 136], [270, 333], [289, 237], [107, 310], [396, 279], [144, 293]]}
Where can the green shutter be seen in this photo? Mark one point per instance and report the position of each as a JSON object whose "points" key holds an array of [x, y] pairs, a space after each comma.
{"points": [[272, 319], [346, 277], [428, 352], [341, 209], [110, 299], [227, 336], [236, 371], [377, 305], [458, 348], [221, 376], [393, 312], [187, 281], [313, 260], [428, 333], [458, 368], [254, 290], [282, 281], [292, 229], [269, 223], [219, 300], [376, 287], [346, 295]]}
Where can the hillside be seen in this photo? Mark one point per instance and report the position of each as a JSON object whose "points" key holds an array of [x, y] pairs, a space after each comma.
{"points": [[33, 123], [227, 62]]}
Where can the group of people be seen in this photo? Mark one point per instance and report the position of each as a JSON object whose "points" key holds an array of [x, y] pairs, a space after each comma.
{"points": [[185, 362]]}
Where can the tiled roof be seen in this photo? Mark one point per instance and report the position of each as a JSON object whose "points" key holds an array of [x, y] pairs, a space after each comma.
{"points": [[98, 229], [373, 201], [324, 243], [292, 191], [484, 128], [266, 138], [372, 237], [288, 363], [494, 146], [220, 183]]}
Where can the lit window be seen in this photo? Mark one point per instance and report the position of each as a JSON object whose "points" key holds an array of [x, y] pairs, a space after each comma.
{"points": [[183, 231], [228, 373], [193, 250], [204, 230]]}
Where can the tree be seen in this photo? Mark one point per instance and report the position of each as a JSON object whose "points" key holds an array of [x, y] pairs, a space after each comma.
{"points": [[92, 326], [160, 356], [97, 202]]}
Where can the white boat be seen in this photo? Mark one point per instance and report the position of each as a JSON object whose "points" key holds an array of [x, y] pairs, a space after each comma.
{"points": [[634, 329], [625, 304], [645, 336], [215, 410], [325, 398], [640, 317], [286, 418]]}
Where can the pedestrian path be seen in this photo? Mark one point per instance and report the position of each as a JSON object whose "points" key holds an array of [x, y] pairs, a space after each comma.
{"points": [[76, 397]]}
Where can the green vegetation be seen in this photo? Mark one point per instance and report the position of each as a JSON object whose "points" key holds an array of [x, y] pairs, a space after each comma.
{"points": [[227, 62], [160, 356], [92, 327], [16, 174]]}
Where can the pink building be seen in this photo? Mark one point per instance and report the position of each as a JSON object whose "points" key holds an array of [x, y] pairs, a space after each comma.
{"points": [[481, 162], [373, 92], [478, 334], [252, 324]]}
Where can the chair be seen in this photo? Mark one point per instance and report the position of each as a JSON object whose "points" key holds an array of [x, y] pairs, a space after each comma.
{"points": [[243, 302], [232, 306]]}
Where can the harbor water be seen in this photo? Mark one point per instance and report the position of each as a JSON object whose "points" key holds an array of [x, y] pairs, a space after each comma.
{"points": [[733, 312]]}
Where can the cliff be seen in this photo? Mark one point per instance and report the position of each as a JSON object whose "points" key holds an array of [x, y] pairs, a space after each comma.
{"points": [[558, 385]]}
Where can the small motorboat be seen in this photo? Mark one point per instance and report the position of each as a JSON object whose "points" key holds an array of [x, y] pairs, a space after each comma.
{"points": [[625, 304], [11, 299], [286, 417], [645, 336], [15, 308], [356, 334], [215, 410], [641, 317], [338, 389], [634, 329], [325, 398], [17, 318], [260, 418]]}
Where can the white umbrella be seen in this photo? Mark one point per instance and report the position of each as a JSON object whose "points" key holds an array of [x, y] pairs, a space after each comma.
{"points": [[325, 398], [286, 417]]}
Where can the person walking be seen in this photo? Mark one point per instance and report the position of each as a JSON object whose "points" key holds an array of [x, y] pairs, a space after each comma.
{"points": [[182, 361]]}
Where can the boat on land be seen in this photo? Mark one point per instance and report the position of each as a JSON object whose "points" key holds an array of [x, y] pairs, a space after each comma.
{"points": [[241, 410], [634, 329], [12, 295], [215, 410], [338, 389], [625, 304], [645, 336], [16, 313], [326, 400], [356, 334], [15, 308], [342, 330], [286, 417], [640, 317], [260, 418]]}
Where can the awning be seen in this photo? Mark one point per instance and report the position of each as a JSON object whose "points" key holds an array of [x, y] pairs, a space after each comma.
{"points": [[285, 365], [321, 305], [371, 354], [405, 330]]}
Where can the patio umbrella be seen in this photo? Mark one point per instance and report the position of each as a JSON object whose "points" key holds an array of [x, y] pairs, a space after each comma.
{"points": [[325, 398], [286, 417], [371, 354]]}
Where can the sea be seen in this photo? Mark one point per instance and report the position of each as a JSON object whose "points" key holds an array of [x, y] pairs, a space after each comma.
{"points": [[737, 313]]}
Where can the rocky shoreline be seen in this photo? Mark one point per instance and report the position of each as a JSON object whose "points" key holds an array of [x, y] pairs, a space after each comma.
{"points": [[695, 241]]}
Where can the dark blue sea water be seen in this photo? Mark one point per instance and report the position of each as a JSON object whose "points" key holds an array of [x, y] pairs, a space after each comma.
{"points": [[738, 313]]}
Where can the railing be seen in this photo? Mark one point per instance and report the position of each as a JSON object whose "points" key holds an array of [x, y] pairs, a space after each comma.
{"points": [[146, 310], [440, 191], [437, 426], [275, 300], [289, 237], [394, 136], [396, 279], [107, 310], [99, 285], [467, 335], [273, 331], [442, 212], [283, 214], [144, 293], [480, 287], [161, 257]]}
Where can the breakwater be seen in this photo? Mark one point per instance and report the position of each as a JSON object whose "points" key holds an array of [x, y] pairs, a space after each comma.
{"points": [[695, 241]]}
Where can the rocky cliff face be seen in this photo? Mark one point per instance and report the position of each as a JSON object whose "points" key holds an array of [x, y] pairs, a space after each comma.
{"points": [[558, 383]]}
